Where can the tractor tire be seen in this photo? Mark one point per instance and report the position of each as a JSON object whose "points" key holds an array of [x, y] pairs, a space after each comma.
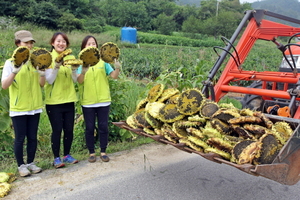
{"points": [[253, 102]]}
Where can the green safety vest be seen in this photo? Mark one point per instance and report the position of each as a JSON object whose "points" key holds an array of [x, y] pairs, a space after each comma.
{"points": [[62, 90], [25, 93], [95, 87]]}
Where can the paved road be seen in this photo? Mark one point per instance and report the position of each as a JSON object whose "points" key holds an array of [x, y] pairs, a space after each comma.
{"points": [[151, 172]]}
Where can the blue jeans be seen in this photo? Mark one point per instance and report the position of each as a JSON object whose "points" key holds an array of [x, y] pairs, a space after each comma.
{"points": [[25, 126], [90, 115]]}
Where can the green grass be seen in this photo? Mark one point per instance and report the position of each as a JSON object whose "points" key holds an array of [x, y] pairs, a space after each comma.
{"points": [[236, 103]]}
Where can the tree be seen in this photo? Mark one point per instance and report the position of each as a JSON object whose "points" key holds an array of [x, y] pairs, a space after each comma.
{"points": [[127, 14], [224, 24], [192, 25], [67, 22], [164, 24], [95, 24], [44, 14]]}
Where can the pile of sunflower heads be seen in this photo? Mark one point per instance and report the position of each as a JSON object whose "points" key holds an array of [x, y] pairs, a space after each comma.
{"points": [[5, 183], [240, 136]]}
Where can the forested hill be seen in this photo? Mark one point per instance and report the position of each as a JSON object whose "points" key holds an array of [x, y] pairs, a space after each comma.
{"points": [[284, 7], [206, 17], [188, 2]]}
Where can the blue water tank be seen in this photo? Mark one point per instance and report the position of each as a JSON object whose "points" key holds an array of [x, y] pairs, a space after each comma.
{"points": [[128, 34]]}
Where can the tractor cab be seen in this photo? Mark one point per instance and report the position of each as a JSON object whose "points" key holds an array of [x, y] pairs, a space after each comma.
{"points": [[291, 59]]}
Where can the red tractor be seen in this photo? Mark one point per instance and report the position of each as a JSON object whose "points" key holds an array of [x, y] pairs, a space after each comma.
{"points": [[268, 88], [275, 93]]}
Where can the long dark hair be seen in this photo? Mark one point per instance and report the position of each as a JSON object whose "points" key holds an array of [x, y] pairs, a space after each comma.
{"points": [[55, 36], [84, 41]]}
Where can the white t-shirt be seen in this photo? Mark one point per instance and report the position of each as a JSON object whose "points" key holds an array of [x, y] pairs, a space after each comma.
{"points": [[7, 70]]}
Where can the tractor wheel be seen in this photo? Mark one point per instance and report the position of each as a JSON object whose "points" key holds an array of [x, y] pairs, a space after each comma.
{"points": [[253, 102]]}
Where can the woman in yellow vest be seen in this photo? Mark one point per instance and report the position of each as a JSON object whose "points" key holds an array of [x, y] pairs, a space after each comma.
{"points": [[25, 104], [95, 100], [60, 98]]}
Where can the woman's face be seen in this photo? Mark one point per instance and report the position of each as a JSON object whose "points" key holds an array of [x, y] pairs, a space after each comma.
{"points": [[59, 44], [28, 44], [91, 43]]}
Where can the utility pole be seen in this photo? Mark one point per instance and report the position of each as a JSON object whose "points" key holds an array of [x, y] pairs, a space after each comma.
{"points": [[217, 8]]}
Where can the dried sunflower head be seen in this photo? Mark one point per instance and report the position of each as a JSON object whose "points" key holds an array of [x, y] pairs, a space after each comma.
{"points": [[169, 113], [242, 133], [109, 52], [12, 177], [208, 108], [20, 56], [238, 149], [73, 62], [149, 131], [180, 131], [221, 126], [141, 104], [189, 101], [220, 144], [131, 122], [173, 99], [154, 108], [282, 131], [196, 118], [211, 132], [246, 112], [167, 93], [191, 144], [90, 56], [226, 114], [4, 189], [249, 152], [3, 177], [269, 148], [198, 142], [139, 117], [219, 152], [155, 92], [41, 58], [168, 133], [62, 55], [155, 123]]}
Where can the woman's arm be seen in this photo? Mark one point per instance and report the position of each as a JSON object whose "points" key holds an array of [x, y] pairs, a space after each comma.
{"points": [[114, 74], [8, 74]]}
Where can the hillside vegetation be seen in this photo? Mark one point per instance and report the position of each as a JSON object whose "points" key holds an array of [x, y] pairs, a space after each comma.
{"points": [[288, 8], [163, 16]]}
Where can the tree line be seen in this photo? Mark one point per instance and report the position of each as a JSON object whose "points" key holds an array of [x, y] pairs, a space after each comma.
{"points": [[213, 17]]}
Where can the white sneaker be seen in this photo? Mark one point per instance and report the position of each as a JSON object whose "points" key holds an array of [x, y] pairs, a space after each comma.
{"points": [[33, 168], [23, 171]]}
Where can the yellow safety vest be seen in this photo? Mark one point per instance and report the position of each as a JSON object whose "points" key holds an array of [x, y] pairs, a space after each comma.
{"points": [[25, 93], [95, 87], [62, 90]]}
